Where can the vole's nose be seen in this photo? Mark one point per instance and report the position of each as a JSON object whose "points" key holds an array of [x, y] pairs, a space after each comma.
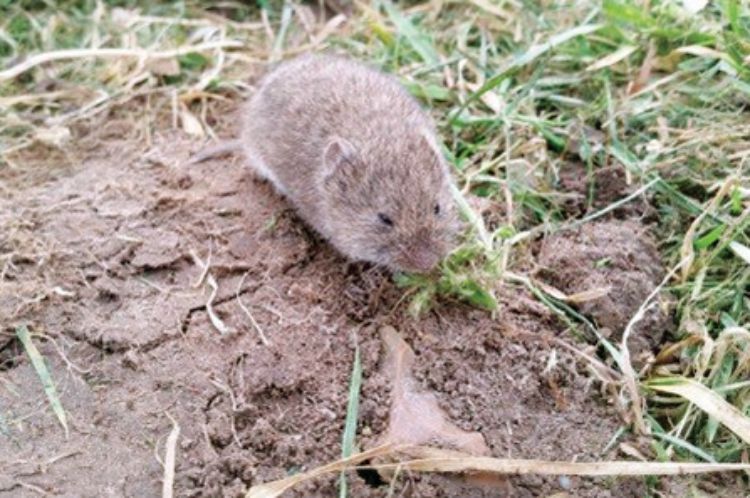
{"points": [[421, 260]]}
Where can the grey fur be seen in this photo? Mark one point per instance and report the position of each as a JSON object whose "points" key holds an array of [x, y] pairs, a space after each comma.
{"points": [[346, 143]]}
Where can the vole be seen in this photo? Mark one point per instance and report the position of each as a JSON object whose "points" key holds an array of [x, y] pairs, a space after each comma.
{"points": [[357, 157]]}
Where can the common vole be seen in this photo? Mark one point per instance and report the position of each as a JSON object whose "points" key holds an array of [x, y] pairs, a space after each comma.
{"points": [[358, 158]]}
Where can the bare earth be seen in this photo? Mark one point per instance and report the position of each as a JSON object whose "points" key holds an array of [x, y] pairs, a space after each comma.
{"points": [[96, 259]]}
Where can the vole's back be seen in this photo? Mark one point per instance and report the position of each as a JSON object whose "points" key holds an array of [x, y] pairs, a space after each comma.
{"points": [[302, 103]]}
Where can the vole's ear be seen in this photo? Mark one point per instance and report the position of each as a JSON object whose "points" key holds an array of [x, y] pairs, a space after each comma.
{"points": [[340, 160]]}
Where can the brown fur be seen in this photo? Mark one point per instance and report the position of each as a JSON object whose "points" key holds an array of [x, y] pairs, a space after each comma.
{"points": [[346, 143]]}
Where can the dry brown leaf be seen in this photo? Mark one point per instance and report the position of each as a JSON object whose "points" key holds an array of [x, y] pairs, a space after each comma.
{"points": [[415, 417]]}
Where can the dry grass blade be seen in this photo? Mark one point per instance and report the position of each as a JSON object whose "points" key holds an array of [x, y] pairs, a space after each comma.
{"points": [[541, 467], [620, 54], [169, 459], [43, 372], [58, 55], [700, 51], [476, 221], [276, 488], [687, 249], [493, 9], [437, 460], [741, 251], [623, 359], [708, 401], [428, 459]]}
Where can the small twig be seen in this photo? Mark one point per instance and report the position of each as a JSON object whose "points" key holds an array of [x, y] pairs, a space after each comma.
{"points": [[250, 315], [169, 459], [62, 456], [215, 320], [211, 281], [203, 274], [33, 488], [63, 357], [43, 466]]}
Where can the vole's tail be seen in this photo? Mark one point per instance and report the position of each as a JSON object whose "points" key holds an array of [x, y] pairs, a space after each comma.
{"points": [[219, 149]]}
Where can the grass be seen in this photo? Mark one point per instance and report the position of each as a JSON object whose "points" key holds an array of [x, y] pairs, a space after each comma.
{"points": [[519, 89], [40, 366], [348, 447]]}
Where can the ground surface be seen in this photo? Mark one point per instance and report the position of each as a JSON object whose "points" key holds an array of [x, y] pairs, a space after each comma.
{"points": [[98, 262]]}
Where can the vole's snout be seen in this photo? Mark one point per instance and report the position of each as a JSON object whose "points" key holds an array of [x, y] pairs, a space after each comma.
{"points": [[420, 259]]}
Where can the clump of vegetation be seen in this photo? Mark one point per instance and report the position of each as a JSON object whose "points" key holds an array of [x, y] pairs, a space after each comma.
{"points": [[661, 94], [659, 91]]}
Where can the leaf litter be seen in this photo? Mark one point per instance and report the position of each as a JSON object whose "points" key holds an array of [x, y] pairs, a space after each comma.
{"points": [[415, 416]]}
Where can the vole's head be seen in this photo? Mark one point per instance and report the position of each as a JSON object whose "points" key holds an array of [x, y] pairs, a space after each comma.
{"points": [[389, 203]]}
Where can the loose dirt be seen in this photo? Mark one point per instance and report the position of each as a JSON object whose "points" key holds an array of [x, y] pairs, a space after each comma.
{"points": [[620, 259], [102, 258]]}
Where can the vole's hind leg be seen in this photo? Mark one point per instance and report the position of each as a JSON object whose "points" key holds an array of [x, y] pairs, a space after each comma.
{"points": [[262, 170]]}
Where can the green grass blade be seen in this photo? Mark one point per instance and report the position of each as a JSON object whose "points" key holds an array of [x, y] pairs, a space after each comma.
{"points": [[707, 400], [527, 57], [681, 443], [630, 14], [474, 293], [705, 241], [350, 425], [43, 372], [418, 40]]}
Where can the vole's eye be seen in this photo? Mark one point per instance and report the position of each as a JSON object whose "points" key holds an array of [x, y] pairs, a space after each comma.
{"points": [[385, 220], [436, 210]]}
